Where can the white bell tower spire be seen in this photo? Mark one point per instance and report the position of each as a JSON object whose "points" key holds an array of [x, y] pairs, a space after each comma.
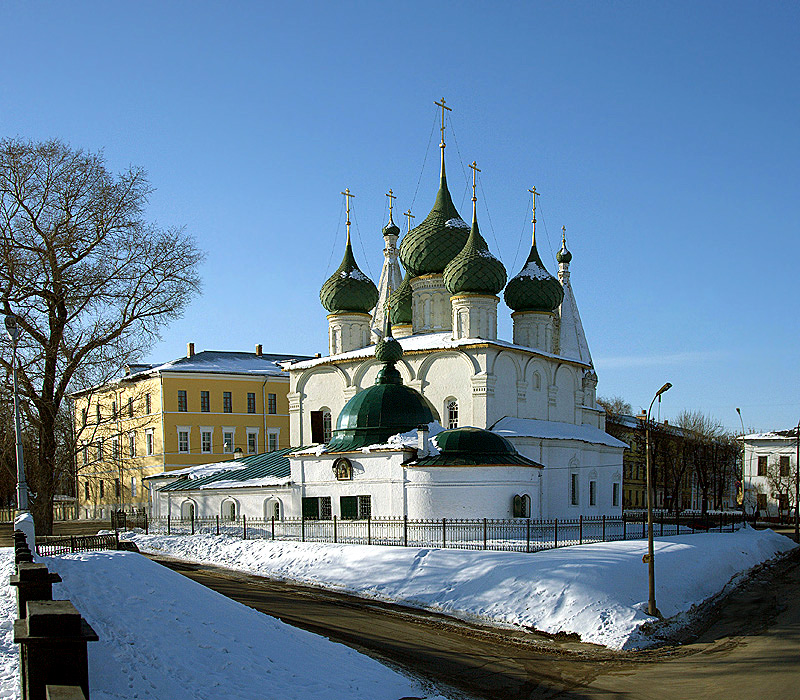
{"points": [[391, 274]]}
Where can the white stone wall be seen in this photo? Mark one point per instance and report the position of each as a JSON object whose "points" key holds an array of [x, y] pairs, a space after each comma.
{"points": [[534, 329], [430, 305], [474, 316], [348, 332], [772, 449]]}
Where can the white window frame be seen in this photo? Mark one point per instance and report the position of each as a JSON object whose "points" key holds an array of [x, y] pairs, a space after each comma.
{"points": [[232, 431], [207, 429], [253, 432], [451, 404], [132, 443], [149, 442], [615, 490], [273, 433], [574, 489], [188, 430], [133, 487]]}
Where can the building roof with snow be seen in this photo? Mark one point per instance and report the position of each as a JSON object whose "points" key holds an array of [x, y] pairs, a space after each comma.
{"points": [[531, 428], [267, 469]]}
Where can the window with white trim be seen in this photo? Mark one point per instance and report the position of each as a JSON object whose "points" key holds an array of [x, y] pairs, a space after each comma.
{"points": [[114, 447], [592, 493], [131, 444], [327, 427], [252, 442], [206, 440], [148, 442], [183, 441], [272, 403], [451, 406], [272, 440], [228, 435], [615, 494], [133, 487], [573, 489]]}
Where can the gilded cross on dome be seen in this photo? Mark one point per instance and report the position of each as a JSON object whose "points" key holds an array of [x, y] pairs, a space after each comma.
{"points": [[347, 197], [533, 221]]}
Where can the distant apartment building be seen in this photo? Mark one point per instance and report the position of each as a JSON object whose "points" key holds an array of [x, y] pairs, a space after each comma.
{"points": [[155, 418]]}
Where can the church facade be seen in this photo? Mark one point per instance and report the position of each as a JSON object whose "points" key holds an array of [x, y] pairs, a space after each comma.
{"points": [[537, 390]]}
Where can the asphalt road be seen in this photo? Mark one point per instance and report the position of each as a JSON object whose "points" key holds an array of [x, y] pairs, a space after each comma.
{"points": [[746, 648]]}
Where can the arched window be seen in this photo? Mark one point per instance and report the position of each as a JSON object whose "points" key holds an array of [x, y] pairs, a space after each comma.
{"points": [[272, 509], [521, 506], [327, 430], [228, 510], [187, 510], [451, 406], [537, 381]]}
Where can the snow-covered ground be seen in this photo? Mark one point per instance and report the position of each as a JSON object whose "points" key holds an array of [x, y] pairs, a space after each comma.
{"points": [[164, 637], [598, 591]]}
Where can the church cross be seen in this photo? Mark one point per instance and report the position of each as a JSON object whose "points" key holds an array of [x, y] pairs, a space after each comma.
{"points": [[475, 171], [444, 107], [535, 194], [347, 197], [564, 236], [409, 216], [391, 202]]}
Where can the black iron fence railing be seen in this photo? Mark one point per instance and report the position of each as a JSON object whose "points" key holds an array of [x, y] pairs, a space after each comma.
{"points": [[52, 546], [518, 535]]}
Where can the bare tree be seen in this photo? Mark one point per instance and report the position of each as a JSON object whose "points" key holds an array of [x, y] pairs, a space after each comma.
{"points": [[91, 281], [615, 405], [781, 478]]}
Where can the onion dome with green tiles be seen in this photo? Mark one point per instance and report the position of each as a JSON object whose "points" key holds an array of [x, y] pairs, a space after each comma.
{"points": [[391, 229], [475, 270], [348, 290], [400, 303], [563, 255], [533, 288], [386, 408], [427, 248], [474, 446]]}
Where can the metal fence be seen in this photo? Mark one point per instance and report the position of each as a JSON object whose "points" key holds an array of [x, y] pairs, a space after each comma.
{"points": [[517, 535], [53, 546]]}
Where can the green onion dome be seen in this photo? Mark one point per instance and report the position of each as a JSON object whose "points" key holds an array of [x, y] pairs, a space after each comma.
{"points": [[391, 229], [387, 408], [475, 270], [534, 288], [427, 248], [563, 255], [400, 303], [348, 290]]}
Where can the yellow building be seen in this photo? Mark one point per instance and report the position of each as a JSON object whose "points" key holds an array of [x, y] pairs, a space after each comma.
{"points": [[158, 418]]}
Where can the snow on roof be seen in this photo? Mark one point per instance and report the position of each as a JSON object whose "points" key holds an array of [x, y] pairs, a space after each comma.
{"points": [[408, 439], [790, 434], [222, 362], [510, 427], [419, 343]]}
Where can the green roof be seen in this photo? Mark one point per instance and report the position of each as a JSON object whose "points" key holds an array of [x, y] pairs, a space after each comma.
{"points": [[400, 303], [387, 408], [533, 288], [475, 270], [348, 289], [427, 248], [474, 446], [269, 464]]}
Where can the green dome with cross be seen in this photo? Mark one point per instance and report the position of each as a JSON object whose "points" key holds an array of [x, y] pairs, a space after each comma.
{"points": [[348, 290]]}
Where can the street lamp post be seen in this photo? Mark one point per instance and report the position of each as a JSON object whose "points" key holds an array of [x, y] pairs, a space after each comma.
{"points": [[744, 473], [23, 520], [797, 486], [651, 563]]}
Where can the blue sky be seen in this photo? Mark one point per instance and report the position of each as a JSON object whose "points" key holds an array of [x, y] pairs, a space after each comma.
{"points": [[663, 135]]}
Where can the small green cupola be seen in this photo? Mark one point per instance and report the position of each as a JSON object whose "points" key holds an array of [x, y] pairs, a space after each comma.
{"points": [[534, 288], [563, 256], [427, 248], [474, 446], [475, 270], [348, 290], [387, 408]]}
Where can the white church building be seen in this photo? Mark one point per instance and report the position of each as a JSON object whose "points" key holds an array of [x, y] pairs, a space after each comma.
{"points": [[521, 432]]}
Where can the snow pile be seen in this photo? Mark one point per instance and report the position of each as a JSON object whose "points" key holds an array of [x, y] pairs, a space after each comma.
{"points": [[598, 591], [9, 656], [408, 439], [165, 636]]}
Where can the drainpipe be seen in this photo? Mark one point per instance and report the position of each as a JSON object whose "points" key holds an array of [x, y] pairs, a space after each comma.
{"points": [[264, 411]]}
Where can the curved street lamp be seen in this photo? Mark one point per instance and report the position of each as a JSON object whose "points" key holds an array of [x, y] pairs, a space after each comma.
{"points": [[651, 563]]}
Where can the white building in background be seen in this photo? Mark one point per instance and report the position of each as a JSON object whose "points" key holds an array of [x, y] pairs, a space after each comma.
{"points": [[770, 470], [524, 436]]}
